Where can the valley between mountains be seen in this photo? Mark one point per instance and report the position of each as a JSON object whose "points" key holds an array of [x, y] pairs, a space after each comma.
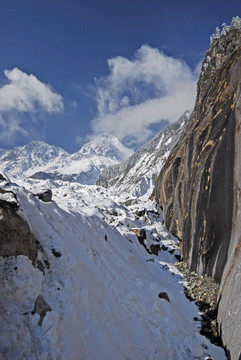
{"points": [[100, 281], [110, 254]]}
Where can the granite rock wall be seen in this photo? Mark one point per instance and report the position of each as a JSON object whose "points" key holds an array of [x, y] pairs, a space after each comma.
{"points": [[199, 185]]}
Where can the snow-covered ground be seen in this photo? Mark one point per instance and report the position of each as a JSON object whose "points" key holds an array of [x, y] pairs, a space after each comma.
{"points": [[102, 284]]}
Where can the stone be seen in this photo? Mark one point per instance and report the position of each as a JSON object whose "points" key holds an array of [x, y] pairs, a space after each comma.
{"points": [[164, 295], [130, 202], [41, 307], [178, 257], [112, 212], [155, 248], [141, 212], [45, 195], [56, 253], [140, 233]]}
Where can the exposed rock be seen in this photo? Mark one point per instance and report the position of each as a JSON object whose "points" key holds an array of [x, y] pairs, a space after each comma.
{"points": [[199, 186], [41, 307], [164, 295], [112, 212], [155, 248], [130, 202], [8, 198], [2, 178], [140, 233], [229, 310], [200, 287], [141, 212], [15, 235], [45, 195], [178, 257], [195, 186], [56, 253], [204, 291]]}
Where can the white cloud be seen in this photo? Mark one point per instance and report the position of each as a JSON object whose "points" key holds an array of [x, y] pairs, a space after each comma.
{"points": [[140, 92], [22, 95]]}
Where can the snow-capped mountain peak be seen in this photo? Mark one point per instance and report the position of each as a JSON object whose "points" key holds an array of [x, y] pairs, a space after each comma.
{"points": [[40, 160], [27, 159], [104, 145]]}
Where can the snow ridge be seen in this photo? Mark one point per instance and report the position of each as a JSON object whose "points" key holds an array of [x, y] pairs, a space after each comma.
{"points": [[136, 175]]}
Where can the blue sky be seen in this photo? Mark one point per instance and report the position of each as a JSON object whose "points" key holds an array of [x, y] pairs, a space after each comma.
{"points": [[72, 69]]}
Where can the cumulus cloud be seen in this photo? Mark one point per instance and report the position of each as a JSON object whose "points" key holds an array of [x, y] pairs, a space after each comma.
{"points": [[23, 95], [140, 92]]}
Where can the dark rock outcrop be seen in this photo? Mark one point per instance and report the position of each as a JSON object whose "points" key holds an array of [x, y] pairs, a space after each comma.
{"points": [[44, 195], [15, 235], [164, 295], [2, 178], [155, 248], [41, 307], [199, 186]]}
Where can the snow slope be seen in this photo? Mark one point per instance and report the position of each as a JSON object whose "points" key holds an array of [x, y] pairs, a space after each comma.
{"points": [[42, 161], [136, 175], [102, 287]]}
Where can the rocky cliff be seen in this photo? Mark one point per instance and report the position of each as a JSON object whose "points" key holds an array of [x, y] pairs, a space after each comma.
{"points": [[199, 186], [16, 237]]}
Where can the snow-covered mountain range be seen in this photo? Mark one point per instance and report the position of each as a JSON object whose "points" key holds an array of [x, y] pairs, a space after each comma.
{"points": [[104, 160], [42, 161]]}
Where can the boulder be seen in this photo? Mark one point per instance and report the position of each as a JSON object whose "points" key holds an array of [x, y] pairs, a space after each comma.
{"points": [[44, 195], [41, 307], [112, 212], [140, 233], [155, 248], [164, 295], [141, 212], [130, 202]]}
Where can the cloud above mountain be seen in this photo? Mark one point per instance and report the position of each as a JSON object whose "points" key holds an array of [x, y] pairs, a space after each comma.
{"points": [[140, 92], [22, 99]]}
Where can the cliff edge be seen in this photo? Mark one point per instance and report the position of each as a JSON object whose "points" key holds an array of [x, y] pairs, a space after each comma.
{"points": [[199, 186]]}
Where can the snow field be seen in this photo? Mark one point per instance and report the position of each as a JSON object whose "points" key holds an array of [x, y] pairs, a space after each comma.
{"points": [[103, 289]]}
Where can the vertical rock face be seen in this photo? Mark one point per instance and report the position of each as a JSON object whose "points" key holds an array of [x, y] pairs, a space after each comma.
{"points": [[199, 185]]}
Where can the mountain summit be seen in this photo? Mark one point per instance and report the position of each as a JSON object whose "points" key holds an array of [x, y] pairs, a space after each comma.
{"points": [[104, 145], [43, 161]]}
